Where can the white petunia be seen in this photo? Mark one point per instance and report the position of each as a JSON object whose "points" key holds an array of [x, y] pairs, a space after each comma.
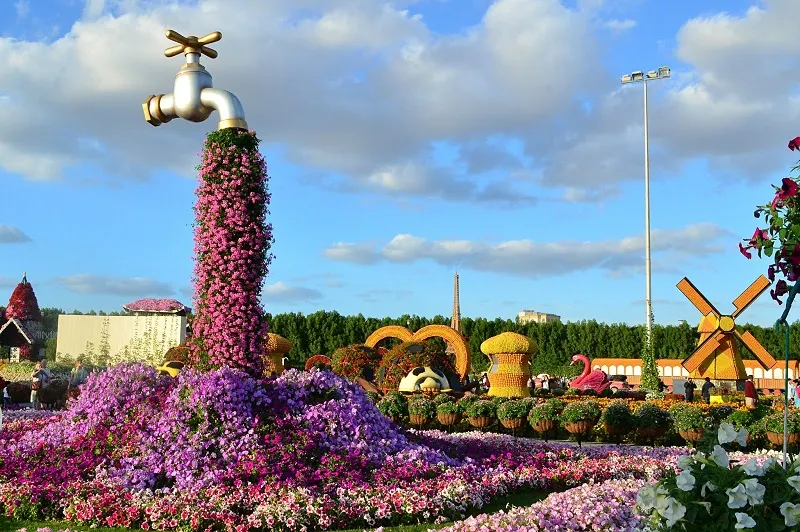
{"points": [[685, 461], [755, 491], [768, 463], [720, 457], [794, 482], [726, 433], [685, 481], [737, 497], [646, 498], [707, 486], [752, 468], [744, 521], [670, 509], [791, 513], [741, 438]]}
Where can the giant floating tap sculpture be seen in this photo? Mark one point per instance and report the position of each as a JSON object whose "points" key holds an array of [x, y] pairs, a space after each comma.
{"points": [[193, 97]]}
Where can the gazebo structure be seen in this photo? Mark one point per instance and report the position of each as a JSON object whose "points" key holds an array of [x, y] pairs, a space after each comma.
{"points": [[22, 330]]}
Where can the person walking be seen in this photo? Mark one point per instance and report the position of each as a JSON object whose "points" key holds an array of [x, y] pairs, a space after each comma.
{"points": [[750, 396], [688, 390], [796, 387], [705, 391], [792, 391]]}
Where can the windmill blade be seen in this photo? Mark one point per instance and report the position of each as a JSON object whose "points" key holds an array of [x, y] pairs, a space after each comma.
{"points": [[762, 355], [750, 294], [703, 351], [698, 300]]}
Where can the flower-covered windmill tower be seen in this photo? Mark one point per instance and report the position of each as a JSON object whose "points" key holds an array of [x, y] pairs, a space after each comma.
{"points": [[23, 328]]}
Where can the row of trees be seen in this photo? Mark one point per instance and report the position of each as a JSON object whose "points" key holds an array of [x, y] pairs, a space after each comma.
{"points": [[324, 332]]}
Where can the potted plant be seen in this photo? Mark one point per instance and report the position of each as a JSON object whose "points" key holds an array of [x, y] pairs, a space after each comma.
{"points": [[394, 405], [512, 413], [774, 427], [481, 413], [421, 410], [688, 421], [543, 417], [448, 413], [652, 421], [580, 416], [618, 419]]}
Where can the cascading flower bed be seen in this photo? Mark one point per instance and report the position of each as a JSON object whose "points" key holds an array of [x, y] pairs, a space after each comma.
{"points": [[308, 449], [232, 257]]}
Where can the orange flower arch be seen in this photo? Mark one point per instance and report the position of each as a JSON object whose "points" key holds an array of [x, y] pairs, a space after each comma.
{"points": [[448, 334]]}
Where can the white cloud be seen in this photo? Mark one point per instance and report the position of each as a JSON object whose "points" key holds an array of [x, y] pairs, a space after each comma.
{"points": [[527, 258], [113, 285], [12, 235], [619, 26], [283, 293]]}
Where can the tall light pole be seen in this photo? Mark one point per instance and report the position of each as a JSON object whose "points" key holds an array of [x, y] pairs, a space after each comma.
{"points": [[636, 77]]}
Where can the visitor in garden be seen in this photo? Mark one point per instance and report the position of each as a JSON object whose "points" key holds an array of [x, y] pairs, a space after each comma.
{"points": [[792, 390], [39, 379], [661, 386], [78, 375], [705, 391], [688, 390], [750, 397], [796, 387], [6, 396]]}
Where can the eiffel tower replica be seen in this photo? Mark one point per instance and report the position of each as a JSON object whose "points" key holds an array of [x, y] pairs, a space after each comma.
{"points": [[455, 321]]}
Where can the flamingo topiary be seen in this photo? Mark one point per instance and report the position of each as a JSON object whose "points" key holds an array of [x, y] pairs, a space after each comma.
{"points": [[595, 380]]}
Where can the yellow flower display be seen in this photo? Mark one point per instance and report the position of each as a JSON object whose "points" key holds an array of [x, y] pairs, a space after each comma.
{"points": [[510, 354]]}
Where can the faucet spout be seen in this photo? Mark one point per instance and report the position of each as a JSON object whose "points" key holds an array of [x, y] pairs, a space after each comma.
{"points": [[159, 109], [193, 97], [231, 112]]}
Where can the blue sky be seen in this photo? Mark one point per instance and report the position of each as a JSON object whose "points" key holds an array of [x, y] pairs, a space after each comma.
{"points": [[405, 141]]}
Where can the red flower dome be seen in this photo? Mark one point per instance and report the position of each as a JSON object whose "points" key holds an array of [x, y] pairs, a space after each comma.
{"points": [[23, 305]]}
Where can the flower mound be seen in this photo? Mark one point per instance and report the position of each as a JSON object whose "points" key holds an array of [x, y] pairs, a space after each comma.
{"points": [[23, 304], [232, 242], [307, 450], [156, 305]]}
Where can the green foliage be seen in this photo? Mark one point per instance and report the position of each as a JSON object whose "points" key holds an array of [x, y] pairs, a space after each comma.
{"points": [[375, 397], [419, 405], [481, 408], [649, 367], [542, 392], [651, 416], [774, 422], [618, 414], [449, 407], [18, 371], [350, 361], [443, 398], [393, 405], [548, 411], [514, 409], [581, 411], [688, 417]]}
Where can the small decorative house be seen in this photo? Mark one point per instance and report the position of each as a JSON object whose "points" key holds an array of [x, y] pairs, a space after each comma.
{"points": [[22, 330]]}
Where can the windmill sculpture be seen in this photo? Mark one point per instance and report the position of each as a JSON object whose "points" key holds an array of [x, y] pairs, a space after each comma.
{"points": [[717, 354]]}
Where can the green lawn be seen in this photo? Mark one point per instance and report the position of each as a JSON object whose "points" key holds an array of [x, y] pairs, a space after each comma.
{"points": [[525, 498]]}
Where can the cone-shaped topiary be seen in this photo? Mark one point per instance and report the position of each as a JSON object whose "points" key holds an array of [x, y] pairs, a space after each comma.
{"points": [[232, 243], [23, 304], [401, 359], [351, 361]]}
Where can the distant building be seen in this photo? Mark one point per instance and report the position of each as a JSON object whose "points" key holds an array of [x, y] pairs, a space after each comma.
{"points": [[531, 316]]}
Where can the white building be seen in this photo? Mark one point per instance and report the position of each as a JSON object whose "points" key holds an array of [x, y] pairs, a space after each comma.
{"points": [[531, 316]]}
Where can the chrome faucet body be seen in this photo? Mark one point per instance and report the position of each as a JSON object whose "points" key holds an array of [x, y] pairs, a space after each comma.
{"points": [[194, 97]]}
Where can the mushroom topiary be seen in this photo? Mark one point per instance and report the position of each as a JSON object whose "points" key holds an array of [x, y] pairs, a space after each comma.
{"points": [[510, 354], [277, 348]]}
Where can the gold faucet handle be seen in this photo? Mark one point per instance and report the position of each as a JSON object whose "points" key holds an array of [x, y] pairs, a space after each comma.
{"points": [[192, 44]]}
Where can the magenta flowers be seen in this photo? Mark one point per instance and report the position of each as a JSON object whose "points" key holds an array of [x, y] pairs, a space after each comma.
{"points": [[232, 242]]}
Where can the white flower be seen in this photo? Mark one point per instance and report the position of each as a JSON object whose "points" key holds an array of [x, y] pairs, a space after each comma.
{"points": [[685, 462], [752, 468], [791, 513], [768, 463], [646, 498], [685, 481], [744, 521], [754, 490], [726, 433], [720, 457], [737, 497], [794, 482], [670, 509], [709, 486], [741, 438]]}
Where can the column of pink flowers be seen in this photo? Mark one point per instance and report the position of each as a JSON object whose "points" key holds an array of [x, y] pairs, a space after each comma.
{"points": [[232, 257]]}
